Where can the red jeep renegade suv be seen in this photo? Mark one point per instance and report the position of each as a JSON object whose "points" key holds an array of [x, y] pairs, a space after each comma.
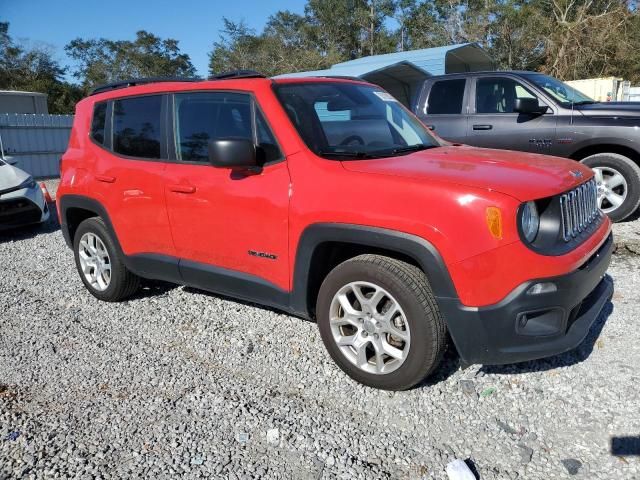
{"points": [[327, 199]]}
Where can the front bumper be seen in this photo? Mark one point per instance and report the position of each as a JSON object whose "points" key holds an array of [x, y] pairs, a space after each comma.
{"points": [[526, 327], [23, 207]]}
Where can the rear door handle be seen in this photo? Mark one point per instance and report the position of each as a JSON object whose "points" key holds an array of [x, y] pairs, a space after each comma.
{"points": [[482, 127], [179, 188], [105, 178], [431, 127]]}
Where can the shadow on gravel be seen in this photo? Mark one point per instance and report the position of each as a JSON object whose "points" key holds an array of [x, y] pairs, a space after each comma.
{"points": [[153, 288], [572, 357], [234, 300], [31, 231]]}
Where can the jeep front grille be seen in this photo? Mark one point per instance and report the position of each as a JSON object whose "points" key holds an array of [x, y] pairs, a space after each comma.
{"points": [[579, 209]]}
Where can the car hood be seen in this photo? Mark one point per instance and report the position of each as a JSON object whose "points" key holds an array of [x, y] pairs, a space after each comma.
{"points": [[610, 109], [524, 176], [11, 176]]}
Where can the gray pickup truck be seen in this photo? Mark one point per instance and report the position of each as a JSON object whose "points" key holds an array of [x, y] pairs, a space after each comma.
{"points": [[532, 112]]}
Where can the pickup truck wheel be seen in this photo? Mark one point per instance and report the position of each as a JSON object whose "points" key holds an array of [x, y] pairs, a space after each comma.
{"points": [[618, 181], [99, 263], [380, 323]]}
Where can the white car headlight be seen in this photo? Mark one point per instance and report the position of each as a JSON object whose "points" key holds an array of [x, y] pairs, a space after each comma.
{"points": [[530, 221]]}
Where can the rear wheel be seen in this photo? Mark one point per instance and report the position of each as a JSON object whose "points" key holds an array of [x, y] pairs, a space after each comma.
{"points": [[379, 321], [99, 263], [618, 181]]}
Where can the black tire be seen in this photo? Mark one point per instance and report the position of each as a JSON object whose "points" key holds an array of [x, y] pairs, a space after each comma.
{"points": [[409, 286], [123, 283], [631, 173]]}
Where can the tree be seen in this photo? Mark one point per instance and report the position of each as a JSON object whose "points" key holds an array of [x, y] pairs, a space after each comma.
{"points": [[583, 37], [516, 36], [35, 70], [285, 46], [104, 61]]}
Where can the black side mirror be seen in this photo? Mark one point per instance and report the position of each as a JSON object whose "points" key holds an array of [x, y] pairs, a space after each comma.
{"points": [[236, 153], [528, 105]]}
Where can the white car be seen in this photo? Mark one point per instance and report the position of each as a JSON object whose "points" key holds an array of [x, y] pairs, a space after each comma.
{"points": [[22, 199]]}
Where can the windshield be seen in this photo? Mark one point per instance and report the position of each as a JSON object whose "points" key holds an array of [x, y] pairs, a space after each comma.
{"points": [[562, 92], [348, 120]]}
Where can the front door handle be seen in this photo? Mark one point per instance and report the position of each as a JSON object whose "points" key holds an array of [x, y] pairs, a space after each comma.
{"points": [[105, 178], [482, 127], [431, 127], [180, 188]]}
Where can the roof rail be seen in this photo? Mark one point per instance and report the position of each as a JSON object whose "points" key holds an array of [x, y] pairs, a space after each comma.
{"points": [[140, 81], [343, 77], [237, 74]]}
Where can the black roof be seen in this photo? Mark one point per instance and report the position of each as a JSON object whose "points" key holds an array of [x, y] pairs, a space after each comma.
{"points": [[142, 81]]}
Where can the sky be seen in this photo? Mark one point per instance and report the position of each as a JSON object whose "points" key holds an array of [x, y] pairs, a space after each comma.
{"points": [[195, 24]]}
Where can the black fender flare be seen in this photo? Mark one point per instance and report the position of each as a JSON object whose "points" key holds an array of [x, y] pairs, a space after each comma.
{"points": [[149, 265], [413, 246], [67, 202]]}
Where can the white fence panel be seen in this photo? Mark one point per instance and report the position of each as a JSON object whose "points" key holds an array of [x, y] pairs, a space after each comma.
{"points": [[36, 141]]}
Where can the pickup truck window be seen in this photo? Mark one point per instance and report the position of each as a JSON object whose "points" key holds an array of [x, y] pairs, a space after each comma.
{"points": [[349, 120], [446, 97], [498, 95], [560, 91]]}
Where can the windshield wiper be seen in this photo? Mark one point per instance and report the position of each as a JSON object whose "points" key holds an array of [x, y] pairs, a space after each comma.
{"points": [[329, 153], [585, 102], [411, 148]]}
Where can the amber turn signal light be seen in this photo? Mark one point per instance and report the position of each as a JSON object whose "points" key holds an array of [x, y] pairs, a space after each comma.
{"points": [[494, 222]]}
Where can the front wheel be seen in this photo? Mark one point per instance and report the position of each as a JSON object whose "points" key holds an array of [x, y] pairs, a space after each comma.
{"points": [[380, 323], [618, 181]]}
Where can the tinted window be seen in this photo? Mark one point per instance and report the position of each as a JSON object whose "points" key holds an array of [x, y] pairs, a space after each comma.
{"points": [[202, 117], [98, 122], [136, 126], [446, 97], [498, 95], [266, 141]]}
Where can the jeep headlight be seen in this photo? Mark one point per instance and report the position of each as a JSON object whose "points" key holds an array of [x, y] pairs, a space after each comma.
{"points": [[28, 183], [529, 221]]}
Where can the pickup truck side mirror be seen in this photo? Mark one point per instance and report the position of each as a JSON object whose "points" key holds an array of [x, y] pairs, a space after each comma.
{"points": [[11, 160], [235, 153], [529, 106]]}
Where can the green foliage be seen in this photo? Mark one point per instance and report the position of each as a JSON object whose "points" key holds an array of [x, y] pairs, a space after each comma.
{"points": [[35, 70], [567, 38], [102, 61]]}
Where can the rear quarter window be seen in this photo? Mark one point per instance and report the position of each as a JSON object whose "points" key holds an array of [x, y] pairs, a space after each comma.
{"points": [[98, 122]]}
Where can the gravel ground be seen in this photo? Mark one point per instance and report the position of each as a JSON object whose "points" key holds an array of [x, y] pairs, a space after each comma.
{"points": [[180, 382]]}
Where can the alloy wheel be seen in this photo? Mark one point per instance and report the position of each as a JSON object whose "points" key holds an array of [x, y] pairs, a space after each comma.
{"points": [[94, 261], [612, 188], [369, 327]]}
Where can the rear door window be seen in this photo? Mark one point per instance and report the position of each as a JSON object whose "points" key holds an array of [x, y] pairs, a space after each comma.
{"points": [[446, 97], [137, 126]]}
